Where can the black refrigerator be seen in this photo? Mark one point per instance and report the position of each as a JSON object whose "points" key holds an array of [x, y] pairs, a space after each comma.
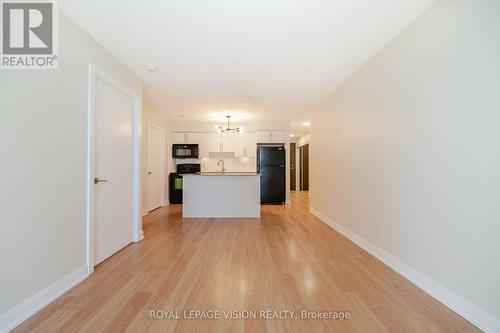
{"points": [[271, 166]]}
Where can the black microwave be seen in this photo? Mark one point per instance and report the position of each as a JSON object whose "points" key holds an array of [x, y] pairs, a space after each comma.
{"points": [[185, 151]]}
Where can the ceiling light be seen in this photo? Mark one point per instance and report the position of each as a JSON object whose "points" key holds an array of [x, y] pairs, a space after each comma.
{"points": [[292, 135], [307, 123], [152, 68], [228, 129]]}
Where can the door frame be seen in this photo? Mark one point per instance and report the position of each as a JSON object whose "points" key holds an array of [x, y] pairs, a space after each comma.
{"points": [[162, 164], [95, 73], [300, 166], [293, 176]]}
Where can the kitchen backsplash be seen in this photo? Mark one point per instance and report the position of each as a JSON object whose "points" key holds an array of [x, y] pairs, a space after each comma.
{"points": [[231, 164]]}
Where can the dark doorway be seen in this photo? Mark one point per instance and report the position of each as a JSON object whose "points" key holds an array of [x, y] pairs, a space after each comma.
{"points": [[304, 168], [293, 172]]}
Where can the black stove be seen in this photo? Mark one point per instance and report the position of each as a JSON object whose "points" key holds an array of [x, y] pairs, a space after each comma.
{"points": [[175, 180]]}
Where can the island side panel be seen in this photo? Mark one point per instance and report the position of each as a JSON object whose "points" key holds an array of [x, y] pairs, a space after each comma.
{"points": [[224, 196]]}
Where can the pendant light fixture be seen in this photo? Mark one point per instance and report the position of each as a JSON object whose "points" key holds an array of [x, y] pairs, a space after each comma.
{"points": [[228, 129]]}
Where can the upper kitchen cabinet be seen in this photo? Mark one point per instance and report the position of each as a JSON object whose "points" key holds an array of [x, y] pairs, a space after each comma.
{"points": [[185, 138], [249, 146], [201, 140], [225, 143], [271, 137], [231, 142], [214, 143], [180, 138], [241, 144]]}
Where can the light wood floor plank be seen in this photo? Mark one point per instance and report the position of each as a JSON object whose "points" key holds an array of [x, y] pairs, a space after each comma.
{"points": [[287, 260]]}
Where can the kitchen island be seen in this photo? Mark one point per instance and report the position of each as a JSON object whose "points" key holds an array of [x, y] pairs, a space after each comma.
{"points": [[221, 195]]}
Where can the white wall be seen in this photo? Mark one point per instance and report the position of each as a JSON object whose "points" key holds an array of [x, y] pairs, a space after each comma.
{"points": [[43, 165], [406, 153], [149, 116]]}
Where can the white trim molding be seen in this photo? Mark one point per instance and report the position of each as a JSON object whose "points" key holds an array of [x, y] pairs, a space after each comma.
{"points": [[471, 312], [35, 303], [95, 73]]}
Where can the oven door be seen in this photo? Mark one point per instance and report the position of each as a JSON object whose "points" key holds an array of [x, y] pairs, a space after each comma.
{"points": [[175, 186]]}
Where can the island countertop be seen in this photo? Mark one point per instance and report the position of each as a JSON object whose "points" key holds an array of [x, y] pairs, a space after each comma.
{"points": [[221, 195]]}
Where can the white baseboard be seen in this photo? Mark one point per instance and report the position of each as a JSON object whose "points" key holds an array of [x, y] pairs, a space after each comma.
{"points": [[32, 305], [464, 308]]}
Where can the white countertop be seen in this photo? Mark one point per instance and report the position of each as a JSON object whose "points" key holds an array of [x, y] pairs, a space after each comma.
{"points": [[227, 173]]}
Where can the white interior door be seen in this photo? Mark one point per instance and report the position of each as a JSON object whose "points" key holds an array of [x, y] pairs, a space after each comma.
{"points": [[113, 169], [155, 167]]}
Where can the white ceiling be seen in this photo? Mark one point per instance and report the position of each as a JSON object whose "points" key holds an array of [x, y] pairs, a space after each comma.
{"points": [[261, 60]]}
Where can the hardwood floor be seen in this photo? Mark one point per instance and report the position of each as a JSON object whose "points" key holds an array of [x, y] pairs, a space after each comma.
{"points": [[287, 261]]}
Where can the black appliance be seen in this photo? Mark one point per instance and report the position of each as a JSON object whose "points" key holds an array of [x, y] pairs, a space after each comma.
{"points": [[271, 166], [185, 151], [175, 181]]}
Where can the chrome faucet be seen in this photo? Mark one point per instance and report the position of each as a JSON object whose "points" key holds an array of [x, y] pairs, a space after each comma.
{"points": [[219, 162]]}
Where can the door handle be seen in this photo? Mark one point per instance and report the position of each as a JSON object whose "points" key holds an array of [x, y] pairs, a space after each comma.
{"points": [[150, 173], [97, 180]]}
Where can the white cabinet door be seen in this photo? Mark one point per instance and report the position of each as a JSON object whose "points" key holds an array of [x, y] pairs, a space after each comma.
{"points": [[249, 145], [188, 138], [230, 143], [204, 144], [196, 138], [239, 144], [214, 142], [271, 137], [201, 139], [180, 138]]}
